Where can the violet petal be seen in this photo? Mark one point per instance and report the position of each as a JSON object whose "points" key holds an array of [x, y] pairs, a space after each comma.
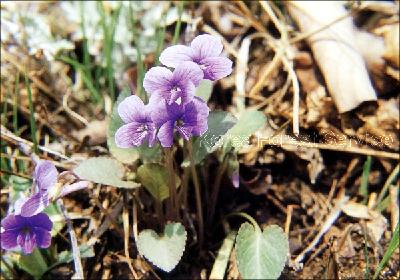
{"points": [[43, 237], [174, 55], [34, 205], [45, 175], [157, 79], [166, 134], [9, 239], [188, 70], [127, 136], [131, 109], [27, 241], [41, 220], [206, 46], [216, 68], [67, 189]]}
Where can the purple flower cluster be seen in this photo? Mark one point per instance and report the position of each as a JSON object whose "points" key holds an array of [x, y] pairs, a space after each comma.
{"points": [[29, 227], [173, 105]]}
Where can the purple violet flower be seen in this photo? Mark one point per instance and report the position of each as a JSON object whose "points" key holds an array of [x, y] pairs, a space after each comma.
{"points": [[178, 86], [138, 126], [188, 119], [205, 50], [26, 232], [45, 178], [235, 179]]}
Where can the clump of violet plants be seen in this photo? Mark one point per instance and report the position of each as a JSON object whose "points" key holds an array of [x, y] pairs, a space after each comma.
{"points": [[163, 142], [177, 118]]}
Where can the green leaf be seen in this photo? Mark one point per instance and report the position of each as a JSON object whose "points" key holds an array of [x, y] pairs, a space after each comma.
{"points": [[103, 170], [66, 256], [154, 177], [249, 122], [204, 90], [363, 190], [34, 263], [393, 245], [54, 212], [128, 155], [163, 251], [219, 123], [261, 254]]}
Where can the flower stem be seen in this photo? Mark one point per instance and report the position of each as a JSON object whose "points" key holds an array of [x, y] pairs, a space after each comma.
{"points": [[197, 193], [172, 184], [215, 190]]}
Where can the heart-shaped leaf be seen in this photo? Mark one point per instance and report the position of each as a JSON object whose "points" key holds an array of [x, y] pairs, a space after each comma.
{"points": [[154, 177], [204, 89], [261, 254], [249, 122], [219, 123], [103, 170], [163, 251]]}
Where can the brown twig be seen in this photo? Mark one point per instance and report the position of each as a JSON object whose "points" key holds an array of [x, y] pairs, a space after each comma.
{"points": [[8, 135], [74, 243]]}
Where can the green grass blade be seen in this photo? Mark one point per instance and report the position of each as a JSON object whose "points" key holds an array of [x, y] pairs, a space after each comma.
{"points": [[5, 104], [179, 22], [139, 62], [15, 104], [31, 115], [363, 190], [393, 245], [392, 177], [108, 35], [95, 95], [159, 38]]}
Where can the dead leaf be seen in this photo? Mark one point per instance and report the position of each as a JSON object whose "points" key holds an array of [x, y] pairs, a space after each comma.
{"points": [[96, 131]]}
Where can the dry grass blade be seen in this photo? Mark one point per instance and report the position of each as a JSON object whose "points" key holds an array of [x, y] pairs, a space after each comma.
{"points": [[74, 243], [329, 221], [125, 219]]}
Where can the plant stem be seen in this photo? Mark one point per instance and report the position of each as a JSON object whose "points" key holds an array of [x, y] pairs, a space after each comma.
{"points": [[215, 190], [172, 184], [248, 217], [159, 211], [197, 193]]}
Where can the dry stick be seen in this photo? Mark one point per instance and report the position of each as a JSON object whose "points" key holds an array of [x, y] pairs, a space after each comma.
{"points": [[125, 219], [324, 228], [268, 70], [8, 172], [74, 243], [135, 217], [331, 147], [216, 187], [70, 111], [197, 193], [20, 141]]}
